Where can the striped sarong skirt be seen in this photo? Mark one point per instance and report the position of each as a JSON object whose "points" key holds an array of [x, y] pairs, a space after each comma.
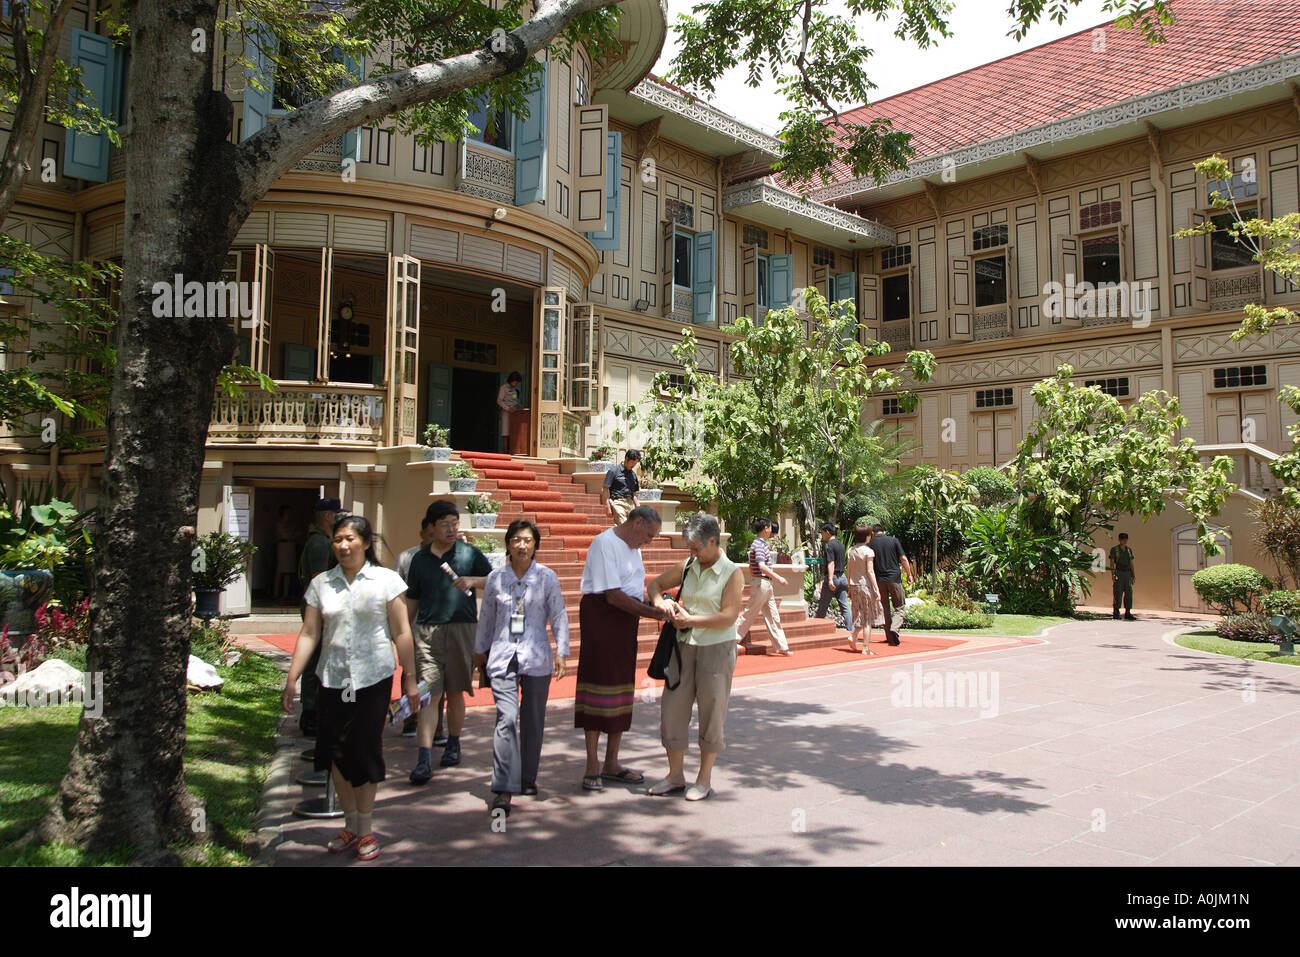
{"points": [[606, 666]]}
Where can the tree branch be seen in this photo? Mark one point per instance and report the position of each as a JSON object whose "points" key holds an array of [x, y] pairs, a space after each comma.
{"points": [[266, 156]]}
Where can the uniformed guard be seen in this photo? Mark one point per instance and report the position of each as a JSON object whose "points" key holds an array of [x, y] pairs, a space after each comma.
{"points": [[1122, 576]]}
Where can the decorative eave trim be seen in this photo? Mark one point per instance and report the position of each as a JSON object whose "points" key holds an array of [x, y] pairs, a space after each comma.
{"points": [[747, 194], [697, 111], [1125, 112]]}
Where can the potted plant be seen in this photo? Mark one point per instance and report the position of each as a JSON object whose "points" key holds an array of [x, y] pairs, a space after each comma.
{"points": [[781, 548], [601, 458], [492, 550], [435, 444], [219, 559], [650, 491], [462, 476], [483, 510]]}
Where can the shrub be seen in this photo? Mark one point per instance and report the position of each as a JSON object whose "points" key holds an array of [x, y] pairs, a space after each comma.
{"points": [[485, 544], [738, 545], [482, 505], [992, 485], [948, 587], [1281, 603], [1279, 535], [461, 470], [223, 557], [1251, 626], [1224, 587], [436, 436], [59, 630], [210, 641], [1031, 572], [942, 616]]}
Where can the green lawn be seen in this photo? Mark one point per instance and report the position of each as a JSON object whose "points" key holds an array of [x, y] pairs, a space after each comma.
{"points": [[1208, 640], [230, 736], [1010, 626]]}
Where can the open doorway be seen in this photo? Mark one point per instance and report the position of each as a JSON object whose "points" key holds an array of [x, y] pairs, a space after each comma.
{"points": [[281, 519], [475, 423]]}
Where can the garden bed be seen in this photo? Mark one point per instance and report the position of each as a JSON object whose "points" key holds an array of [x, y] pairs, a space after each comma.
{"points": [[1209, 640]]}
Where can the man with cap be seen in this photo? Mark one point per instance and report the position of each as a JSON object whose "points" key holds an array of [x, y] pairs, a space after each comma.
{"points": [[1122, 576], [317, 556]]}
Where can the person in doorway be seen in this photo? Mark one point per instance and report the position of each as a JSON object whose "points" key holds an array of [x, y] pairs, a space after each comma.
{"points": [[403, 567], [520, 599], [317, 556], [1122, 576], [508, 401], [286, 555], [864, 592], [762, 595], [889, 564], [711, 586], [613, 602], [442, 585], [355, 617], [619, 493], [835, 580]]}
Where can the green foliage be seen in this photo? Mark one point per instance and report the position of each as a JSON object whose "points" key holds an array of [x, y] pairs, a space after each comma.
{"points": [[602, 453], [948, 586], [786, 431], [941, 616], [1282, 603], [210, 641], [1031, 572], [1224, 587], [938, 498], [738, 545], [436, 436], [1249, 626], [482, 505], [219, 559], [991, 486], [1086, 460], [486, 544], [461, 470], [1278, 533]]}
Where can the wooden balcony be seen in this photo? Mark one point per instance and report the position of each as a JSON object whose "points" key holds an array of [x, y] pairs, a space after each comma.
{"points": [[333, 414]]}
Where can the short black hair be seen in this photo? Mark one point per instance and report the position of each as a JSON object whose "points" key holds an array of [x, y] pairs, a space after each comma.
{"points": [[828, 527], [514, 377], [440, 510], [761, 525], [633, 454], [1123, 534], [521, 524], [878, 528], [425, 522]]}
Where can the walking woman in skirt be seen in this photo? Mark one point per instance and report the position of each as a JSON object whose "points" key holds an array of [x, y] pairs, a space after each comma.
{"points": [[357, 613]]}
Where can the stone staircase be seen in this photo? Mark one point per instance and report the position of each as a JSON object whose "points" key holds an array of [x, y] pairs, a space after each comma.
{"points": [[569, 517]]}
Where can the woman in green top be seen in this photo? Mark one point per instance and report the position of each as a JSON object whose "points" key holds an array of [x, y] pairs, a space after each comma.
{"points": [[706, 632]]}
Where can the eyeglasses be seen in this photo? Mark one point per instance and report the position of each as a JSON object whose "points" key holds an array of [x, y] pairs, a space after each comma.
{"points": [[522, 540], [447, 523]]}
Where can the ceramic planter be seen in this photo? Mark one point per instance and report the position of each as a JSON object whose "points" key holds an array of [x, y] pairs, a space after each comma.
{"points": [[484, 519], [650, 494], [207, 602], [599, 466], [22, 591], [437, 454], [464, 485]]}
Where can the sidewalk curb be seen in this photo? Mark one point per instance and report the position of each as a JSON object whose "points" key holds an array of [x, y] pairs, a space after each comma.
{"points": [[1169, 638]]}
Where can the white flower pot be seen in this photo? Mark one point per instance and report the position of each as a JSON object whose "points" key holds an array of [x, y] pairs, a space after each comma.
{"points": [[437, 455], [650, 494], [464, 485], [484, 519], [599, 466]]}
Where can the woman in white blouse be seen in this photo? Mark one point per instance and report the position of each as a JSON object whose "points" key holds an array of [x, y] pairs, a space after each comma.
{"points": [[356, 610], [519, 599]]}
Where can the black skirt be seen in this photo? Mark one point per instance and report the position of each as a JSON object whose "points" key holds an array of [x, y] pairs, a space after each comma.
{"points": [[350, 734]]}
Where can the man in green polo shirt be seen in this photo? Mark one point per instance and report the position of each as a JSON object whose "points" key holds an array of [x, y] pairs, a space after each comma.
{"points": [[446, 620]]}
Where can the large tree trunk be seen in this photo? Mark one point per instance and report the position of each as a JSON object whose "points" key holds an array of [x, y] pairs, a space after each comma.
{"points": [[125, 784]]}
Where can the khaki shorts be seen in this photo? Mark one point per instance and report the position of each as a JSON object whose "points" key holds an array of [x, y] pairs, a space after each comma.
{"points": [[444, 656], [622, 507]]}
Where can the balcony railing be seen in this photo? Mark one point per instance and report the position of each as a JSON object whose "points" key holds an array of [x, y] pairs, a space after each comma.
{"points": [[1252, 471], [300, 413]]}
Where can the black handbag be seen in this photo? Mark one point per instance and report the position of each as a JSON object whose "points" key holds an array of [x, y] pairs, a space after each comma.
{"points": [[667, 647]]}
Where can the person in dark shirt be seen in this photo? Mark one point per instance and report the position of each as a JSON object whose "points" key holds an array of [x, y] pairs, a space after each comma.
{"points": [[446, 624], [835, 579], [889, 563], [1122, 576], [619, 493]]}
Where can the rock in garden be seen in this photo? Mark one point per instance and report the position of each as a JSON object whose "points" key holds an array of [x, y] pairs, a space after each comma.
{"points": [[53, 682], [202, 674]]}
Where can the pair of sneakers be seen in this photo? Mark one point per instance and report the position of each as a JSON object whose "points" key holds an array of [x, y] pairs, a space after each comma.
{"points": [[424, 769]]}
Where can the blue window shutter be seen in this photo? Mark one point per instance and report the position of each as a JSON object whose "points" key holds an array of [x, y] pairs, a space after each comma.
{"points": [[85, 155], [843, 286], [780, 269], [352, 138], [530, 147], [257, 103], [612, 234], [703, 273]]}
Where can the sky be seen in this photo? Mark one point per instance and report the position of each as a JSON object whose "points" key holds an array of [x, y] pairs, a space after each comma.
{"points": [[978, 28]]}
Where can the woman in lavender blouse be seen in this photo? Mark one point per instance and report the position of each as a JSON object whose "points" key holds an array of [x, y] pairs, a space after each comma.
{"points": [[519, 599]]}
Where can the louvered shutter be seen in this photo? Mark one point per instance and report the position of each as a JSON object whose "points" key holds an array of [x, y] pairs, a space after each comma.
{"points": [[609, 237], [530, 146], [85, 155], [780, 272], [703, 276], [258, 41]]}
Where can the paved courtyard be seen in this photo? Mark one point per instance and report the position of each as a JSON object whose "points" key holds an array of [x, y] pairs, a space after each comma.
{"points": [[1101, 743]]}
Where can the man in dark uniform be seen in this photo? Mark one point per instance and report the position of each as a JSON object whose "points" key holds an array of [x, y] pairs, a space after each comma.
{"points": [[1122, 576], [619, 493], [317, 556]]}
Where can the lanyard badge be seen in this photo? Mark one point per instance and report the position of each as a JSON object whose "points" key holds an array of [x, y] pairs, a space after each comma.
{"points": [[517, 618]]}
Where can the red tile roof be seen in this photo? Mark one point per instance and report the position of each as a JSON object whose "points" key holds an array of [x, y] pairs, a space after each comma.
{"points": [[1067, 77]]}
